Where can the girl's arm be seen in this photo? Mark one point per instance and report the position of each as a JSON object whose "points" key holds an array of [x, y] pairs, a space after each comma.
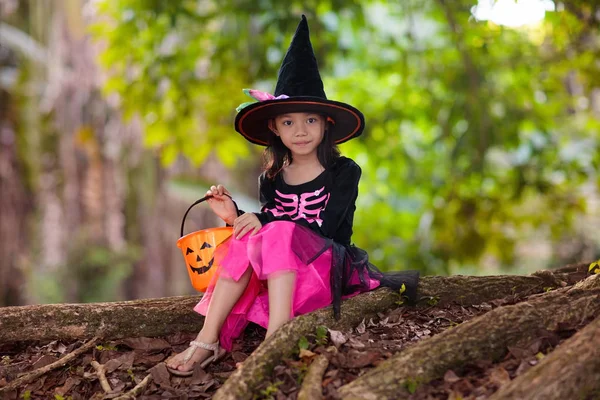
{"points": [[342, 201]]}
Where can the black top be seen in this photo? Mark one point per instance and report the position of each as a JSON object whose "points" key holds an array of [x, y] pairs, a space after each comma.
{"points": [[326, 204]]}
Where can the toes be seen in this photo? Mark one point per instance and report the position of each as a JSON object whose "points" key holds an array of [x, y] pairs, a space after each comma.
{"points": [[174, 362], [181, 368]]}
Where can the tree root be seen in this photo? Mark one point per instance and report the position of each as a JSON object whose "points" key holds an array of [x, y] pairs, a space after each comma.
{"points": [[572, 371], [437, 289], [24, 379], [313, 381], [100, 372], [137, 390], [148, 317], [485, 337]]}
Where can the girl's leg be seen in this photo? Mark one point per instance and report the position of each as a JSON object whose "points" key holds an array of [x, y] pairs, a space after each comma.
{"points": [[281, 293], [226, 293]]}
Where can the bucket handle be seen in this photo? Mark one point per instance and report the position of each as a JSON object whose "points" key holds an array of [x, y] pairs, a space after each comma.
{"points": [[237, 211]]}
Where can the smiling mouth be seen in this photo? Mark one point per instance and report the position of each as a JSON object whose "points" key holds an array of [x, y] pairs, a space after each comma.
{"points": [[301, 143]]}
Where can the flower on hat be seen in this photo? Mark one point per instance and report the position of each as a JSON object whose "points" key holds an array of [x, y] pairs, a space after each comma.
{"points": [[257, 95]]}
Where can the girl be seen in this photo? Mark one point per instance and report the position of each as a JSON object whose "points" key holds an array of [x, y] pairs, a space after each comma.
{"points": [[295, 256]]}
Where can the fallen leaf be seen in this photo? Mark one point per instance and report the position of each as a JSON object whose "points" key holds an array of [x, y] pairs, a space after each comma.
{"points": [[361, 328], [499, 376], [355, 343], [43, 361], [238, 356], [56, 347], [332, 373], [127, 360], [105, 356], [337, 337], [451, 377], [523, 367], [11, 395], [519, 353], [339, 360], [361, 359], [70, 383], [455, 396], [327, 381], [37, 385], [209, 384], [147, 344], [463, 386], [534, 346], [160, 374], [117, 385], [306, 353], [148, 359], [112, 365], [223, 375], [200, 377]]}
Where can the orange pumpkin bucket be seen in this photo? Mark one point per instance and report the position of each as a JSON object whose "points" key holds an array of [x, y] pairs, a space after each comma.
{"points": [[198, 251]]}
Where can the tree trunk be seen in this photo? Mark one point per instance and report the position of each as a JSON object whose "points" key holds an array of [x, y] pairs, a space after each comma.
{"points": [[172, 314], [14, 205], [485, 337], [151, 317], [572, 371]]}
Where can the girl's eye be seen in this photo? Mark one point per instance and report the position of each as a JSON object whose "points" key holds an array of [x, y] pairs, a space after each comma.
{"points": [[312, 120], [287, 123]]}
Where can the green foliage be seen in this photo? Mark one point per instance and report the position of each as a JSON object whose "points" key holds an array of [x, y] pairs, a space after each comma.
{"points": [[401, 296], [131, 375], [594, 267], [26, 395], [411, 385], [433, 301], [303, 343], [270, 391], [107, 347], [477, 135], [321, 338]]}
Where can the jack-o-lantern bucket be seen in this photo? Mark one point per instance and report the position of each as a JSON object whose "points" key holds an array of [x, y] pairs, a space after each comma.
{"points": [[198, 251]]}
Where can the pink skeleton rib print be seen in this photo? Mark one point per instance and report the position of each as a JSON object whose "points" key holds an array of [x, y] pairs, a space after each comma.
{"points": [[307, 205]]}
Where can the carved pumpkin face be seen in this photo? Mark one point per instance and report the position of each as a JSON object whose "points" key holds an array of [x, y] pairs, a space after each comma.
{"points": [[198, 250], [196, 258]]}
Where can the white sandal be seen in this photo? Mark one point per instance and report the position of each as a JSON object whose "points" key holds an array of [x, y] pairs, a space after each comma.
{"points": [[214, 347]]}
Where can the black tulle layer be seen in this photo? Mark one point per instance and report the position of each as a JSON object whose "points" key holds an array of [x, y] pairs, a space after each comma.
{"points": [[347, 263]]}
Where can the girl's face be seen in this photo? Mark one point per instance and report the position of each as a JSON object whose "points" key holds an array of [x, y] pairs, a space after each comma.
{"points": [[300, 132]]}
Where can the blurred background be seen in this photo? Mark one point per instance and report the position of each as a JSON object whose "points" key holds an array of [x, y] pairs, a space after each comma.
{"points": [[480, 154]]}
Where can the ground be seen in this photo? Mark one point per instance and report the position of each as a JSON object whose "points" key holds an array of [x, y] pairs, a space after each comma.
{"points": [[128, 361]]}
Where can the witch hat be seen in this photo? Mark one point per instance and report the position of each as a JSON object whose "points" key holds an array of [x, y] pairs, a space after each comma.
{"points": [[299, 89]]}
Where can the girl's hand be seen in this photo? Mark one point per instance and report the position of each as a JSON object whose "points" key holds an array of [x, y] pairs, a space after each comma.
{"points": [[221, 204], [246, 223]]}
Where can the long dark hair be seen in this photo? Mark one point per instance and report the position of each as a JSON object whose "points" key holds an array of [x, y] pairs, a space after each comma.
{"points": [[276, 155]]}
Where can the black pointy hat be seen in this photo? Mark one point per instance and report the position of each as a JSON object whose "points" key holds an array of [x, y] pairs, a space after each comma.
{"points": [[299, 89]]}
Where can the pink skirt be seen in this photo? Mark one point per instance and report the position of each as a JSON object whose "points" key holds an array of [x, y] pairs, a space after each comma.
{"points": [[279, 246]]}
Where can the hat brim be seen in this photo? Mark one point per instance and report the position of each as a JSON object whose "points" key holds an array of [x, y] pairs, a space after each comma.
{"points": [[252, 121]]}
